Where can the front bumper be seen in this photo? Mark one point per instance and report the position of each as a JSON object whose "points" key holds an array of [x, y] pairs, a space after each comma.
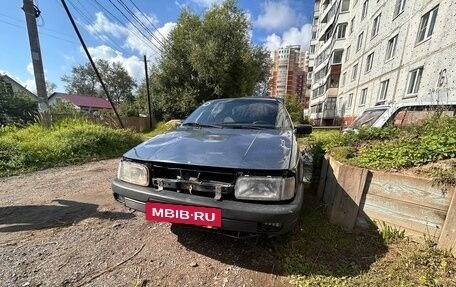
{"points": [[270, 219]]}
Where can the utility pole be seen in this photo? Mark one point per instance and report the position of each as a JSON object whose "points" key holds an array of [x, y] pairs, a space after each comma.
{"points": [[148, 92], [31, 13]]}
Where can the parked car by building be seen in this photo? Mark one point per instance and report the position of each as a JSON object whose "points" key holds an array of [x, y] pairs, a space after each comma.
{"points": [[233, 165], [403, 114]]}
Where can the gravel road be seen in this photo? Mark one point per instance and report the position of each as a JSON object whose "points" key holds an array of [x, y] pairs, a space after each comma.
{"points": [[61, 227]]}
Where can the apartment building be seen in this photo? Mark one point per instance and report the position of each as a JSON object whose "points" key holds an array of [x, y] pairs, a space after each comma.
{"points": [[288, 76], [371, 52]]}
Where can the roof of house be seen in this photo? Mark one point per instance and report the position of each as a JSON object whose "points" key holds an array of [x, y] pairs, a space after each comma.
{"points": [[13, 82], [84, 101]]}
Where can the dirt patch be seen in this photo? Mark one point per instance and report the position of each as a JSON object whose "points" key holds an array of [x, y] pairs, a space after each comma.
{"points": [[62, 227]]}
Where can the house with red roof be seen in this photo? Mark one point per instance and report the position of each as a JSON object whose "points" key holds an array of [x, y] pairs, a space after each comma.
{"points": [[81, 102]]}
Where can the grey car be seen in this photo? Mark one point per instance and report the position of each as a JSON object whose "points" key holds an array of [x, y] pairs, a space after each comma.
{"points": [[232, 165]]}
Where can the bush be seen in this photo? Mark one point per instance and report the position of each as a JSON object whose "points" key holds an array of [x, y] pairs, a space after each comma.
{"points": [[66, 142], [392, 148]]}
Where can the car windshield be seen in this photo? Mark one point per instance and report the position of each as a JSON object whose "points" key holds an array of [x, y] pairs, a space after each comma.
{"points": [[367, 118], [236, 113]]}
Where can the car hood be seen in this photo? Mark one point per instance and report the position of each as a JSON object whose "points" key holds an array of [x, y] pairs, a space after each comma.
{"points": [[219, 147]]}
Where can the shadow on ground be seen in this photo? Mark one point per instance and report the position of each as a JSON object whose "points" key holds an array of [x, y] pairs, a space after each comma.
{"points": [[67, 212], [315, 248]]}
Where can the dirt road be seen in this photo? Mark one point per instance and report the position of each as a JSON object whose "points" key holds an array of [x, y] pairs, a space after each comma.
{"points": [[61, 227]]}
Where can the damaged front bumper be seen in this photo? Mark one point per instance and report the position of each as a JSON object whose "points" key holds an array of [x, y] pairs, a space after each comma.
{"points": [[249, 217]]}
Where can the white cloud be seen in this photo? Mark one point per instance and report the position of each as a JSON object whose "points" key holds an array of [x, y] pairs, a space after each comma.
{"points": [[207, 3], [103, 25], [276, 16], [293, 36], [128, 37], [134, 40], [133, 64], [29, 85], [30, 68]]}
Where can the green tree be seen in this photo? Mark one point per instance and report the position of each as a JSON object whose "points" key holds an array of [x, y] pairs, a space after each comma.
{"points": [[207, 57], [16, 108], [294, 108], [83, 80], [50, 88], [63, 107]]}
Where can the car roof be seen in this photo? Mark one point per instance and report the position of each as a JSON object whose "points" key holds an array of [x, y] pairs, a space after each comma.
{"points": [[415, 104], [268, 99]]}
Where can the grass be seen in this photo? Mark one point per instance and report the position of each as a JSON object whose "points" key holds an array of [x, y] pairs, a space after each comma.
{"points": [[392, 148], [160, 128], [321, 254], [69, 141], [66, 142]]}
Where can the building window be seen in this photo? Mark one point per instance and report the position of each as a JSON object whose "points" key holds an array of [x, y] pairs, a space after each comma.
{"points": [[341, 29], [359, 44], [427, 25], [347, 53], [413, 82], [344, 78], [340, 103], [376, 26], [383, 90], [314, 35], [337, 57], [391, 48], [345, 6], [352, 25], [362, 99], [312, 49], [369, 62], [400, 6], [354, 72], [365, 9], [350, 100]]}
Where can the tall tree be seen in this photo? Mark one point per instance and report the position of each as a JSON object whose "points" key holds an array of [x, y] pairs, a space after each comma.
{"points": [[50, 88], [83, 80], [294, 108], [205, 58]]}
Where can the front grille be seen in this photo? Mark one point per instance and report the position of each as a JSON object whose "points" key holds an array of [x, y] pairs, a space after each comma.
{"points": [[197, 182]]}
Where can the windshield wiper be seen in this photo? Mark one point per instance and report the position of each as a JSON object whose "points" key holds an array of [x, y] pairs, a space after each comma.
{"points": [[247, 126], [193, 124]]}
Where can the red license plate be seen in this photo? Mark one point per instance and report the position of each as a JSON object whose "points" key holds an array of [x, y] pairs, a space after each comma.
{"points": [[184, 214]]}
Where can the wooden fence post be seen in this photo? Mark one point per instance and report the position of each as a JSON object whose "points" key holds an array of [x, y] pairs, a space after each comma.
{"points": [[448, 236]]}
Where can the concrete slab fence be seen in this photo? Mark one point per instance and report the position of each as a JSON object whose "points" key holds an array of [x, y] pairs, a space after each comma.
{"points": [[356, 197]]}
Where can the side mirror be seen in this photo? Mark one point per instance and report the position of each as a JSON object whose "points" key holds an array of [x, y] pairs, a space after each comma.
{"points": [[303, 129]]}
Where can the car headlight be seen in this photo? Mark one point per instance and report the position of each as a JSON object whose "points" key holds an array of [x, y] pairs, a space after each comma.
{"points": [[264, 188], [132, 172]]}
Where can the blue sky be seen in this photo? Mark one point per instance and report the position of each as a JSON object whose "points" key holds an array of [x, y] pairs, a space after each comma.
{"points": [[112, 37]]}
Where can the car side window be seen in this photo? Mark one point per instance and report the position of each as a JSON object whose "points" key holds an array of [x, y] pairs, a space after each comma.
{"points": [[408, 116], [283, 120]]}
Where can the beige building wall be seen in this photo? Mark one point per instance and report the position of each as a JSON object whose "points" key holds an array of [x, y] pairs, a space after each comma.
{"points": [[436, 55]]}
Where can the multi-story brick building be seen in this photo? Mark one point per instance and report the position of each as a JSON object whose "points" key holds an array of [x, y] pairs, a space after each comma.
{"points": [[288, 72], [370, 52]]}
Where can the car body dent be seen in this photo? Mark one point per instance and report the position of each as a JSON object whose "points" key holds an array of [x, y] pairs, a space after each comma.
{"points": [[269, 149]]}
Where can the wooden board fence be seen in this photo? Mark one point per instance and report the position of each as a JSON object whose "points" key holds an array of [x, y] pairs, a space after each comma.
{"points": [[357, 197]]}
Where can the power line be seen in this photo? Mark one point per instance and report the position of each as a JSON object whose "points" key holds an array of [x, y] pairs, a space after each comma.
{"points": [[41, 33], [95, 25], [134, 25], [147, 18], [110, 14], [141, 23]]}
